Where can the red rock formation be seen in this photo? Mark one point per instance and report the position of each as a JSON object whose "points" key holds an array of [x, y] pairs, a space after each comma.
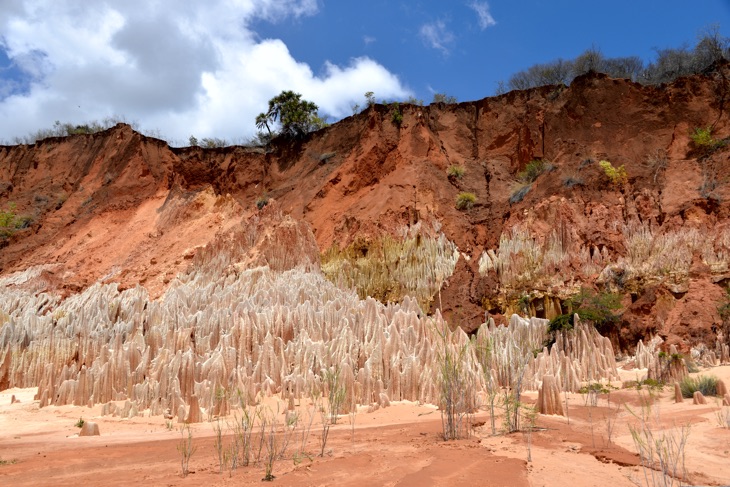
{"points": [[120, 207]]}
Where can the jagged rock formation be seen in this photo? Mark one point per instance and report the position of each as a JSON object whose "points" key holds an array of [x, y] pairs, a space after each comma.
{"points": [[250, 318], [548, 398], [202, 291], [89, 428], [678, 393], [365, 177], [698, 398]]}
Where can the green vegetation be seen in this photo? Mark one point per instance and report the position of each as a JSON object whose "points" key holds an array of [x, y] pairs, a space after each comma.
{"points": [[465, 201], [396, 116], [297, 117], [10, 221], [186, 449], [652, 385], [455, 402], [533, 170], [370, 99], [704, 141], [617, 175], [455, 171], [706, 384], [598, 308], [79, 423], [669, 65]]}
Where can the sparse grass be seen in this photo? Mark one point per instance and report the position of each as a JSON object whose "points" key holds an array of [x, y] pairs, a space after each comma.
{"points": [[186, 449], [722, 415], [454, 386], [465, 201], [706, 384], [455, 171], [519, 193], [533, 170], [572, 181], [8, 462], [662, 452], [66, 129]]}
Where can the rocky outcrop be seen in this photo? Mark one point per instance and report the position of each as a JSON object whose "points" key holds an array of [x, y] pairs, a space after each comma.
{"points": [[548, 398], [121, 287]]}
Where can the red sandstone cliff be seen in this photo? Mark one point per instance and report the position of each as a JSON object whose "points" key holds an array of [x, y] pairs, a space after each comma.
{"points": [[120, 207]]}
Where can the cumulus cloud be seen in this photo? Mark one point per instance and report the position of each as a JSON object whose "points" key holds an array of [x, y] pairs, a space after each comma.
{"points": [[483, 14], [198, 68], [437, 35]]}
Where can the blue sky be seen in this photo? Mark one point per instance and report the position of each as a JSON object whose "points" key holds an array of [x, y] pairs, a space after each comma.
{"points": [[207, 68]]}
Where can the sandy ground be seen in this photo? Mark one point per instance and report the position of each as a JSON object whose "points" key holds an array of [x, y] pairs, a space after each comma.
{"points": [[395, 446]]}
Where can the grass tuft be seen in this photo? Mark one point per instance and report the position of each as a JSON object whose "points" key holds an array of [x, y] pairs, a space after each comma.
{"points": [[706, 384]]}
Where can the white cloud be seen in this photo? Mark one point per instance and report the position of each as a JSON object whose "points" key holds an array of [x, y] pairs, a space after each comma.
{"points": [[368, 40], [437, 36], [485, 17], [197, 68]]}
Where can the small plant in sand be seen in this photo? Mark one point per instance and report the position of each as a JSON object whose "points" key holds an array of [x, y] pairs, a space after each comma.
{"points": [[529, 416], [79, 423], [456, 387], [706, 384], [275, 447], [662, 451], [329, 412], [722, 415], [7, 462], [218, 444], [186, 449]]}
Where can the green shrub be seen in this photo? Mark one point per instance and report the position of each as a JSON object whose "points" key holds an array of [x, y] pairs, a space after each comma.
{"points": [[706, 384], [9, 221], [617, 175], [395, 114], [702, 137], [704, 142], [532, 170], [455, 171], [589, 305], [465, 201], [79, 423]]}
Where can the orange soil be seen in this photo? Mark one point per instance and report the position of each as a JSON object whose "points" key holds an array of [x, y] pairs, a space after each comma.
{"points": [[399, 445]]}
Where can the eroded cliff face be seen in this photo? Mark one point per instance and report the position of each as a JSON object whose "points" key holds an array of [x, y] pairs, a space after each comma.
{"points": [[120, 207]]}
